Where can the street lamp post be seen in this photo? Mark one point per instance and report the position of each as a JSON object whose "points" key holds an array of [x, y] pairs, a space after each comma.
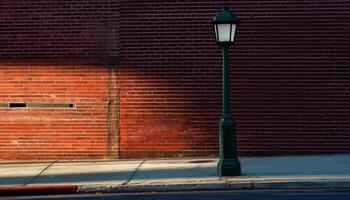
{"points": [[225, 23]]}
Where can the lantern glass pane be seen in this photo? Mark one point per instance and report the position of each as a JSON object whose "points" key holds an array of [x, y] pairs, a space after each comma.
{"points": [[216, 32], [224, 32], [233, 31]]}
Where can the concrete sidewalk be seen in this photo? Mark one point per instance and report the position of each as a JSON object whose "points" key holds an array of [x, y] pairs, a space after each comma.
{"points": [[326, 172]]}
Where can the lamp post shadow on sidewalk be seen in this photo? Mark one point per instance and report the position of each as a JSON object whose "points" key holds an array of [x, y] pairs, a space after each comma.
{"points": [[225, 23]]}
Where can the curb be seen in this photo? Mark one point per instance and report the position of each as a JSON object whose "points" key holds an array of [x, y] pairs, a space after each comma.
{"points": [[174, 187], [38, 190], [150, 188], [261, 185]]}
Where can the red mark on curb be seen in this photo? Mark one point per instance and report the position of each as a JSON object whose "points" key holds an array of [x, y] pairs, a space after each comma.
{"points": [[38, 190]]}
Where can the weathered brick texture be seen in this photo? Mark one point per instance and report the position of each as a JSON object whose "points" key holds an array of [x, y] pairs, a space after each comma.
{"points": [[54, 51], [290, 77], [58, 29], [145, 76], [54, 133]]}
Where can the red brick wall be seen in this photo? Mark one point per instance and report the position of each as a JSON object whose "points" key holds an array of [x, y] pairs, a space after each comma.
{"points": [[54, 133], [290, 73], [290, 78], [54, 51]]}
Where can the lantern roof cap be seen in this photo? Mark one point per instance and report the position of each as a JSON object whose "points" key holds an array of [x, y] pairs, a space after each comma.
{"points": [[225, 16]]}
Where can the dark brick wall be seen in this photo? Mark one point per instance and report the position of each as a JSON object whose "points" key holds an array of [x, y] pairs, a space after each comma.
{"points": [[58, 29], [290, 77], [151, 71]]}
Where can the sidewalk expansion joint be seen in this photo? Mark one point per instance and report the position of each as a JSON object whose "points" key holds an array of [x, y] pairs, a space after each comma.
{"points": [[134, 173], [35, 177]]}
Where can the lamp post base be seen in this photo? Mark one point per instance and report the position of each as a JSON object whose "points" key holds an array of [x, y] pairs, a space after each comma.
{"points": [[229, 167], [228, 164]]}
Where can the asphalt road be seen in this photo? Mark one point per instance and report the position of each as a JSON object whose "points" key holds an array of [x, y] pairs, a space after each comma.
{"points": [[208, 195]]}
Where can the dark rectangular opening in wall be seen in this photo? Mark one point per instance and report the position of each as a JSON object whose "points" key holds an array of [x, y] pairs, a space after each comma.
{"points": [[37, 105], [17, 105], [51, 105]]}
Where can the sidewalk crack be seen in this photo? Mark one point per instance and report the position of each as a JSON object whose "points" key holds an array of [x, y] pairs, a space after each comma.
{"points": [[35, 177], [133, 174]]}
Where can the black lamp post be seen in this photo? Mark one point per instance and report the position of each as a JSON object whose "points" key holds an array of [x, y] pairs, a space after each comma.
{"points": [[225, 23]]}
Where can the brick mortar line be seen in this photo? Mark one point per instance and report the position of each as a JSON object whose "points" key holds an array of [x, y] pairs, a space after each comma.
{"points": [[31, 181]]}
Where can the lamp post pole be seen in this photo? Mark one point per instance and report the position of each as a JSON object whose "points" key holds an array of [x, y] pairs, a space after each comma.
{"points": [[228, 164], [225, 26]]}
